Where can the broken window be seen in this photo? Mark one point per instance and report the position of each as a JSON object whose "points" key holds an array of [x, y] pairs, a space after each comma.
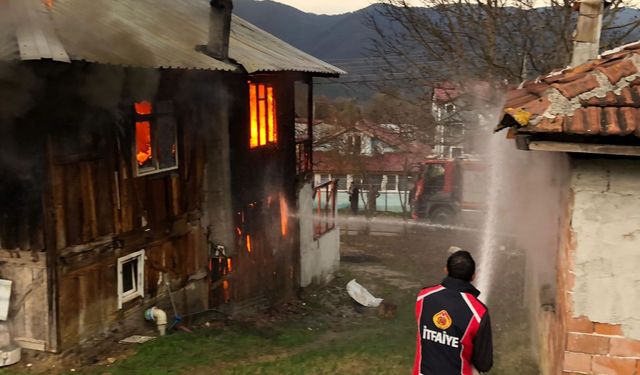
{"points": [[130, 277], [263, 118], [156, 135]]}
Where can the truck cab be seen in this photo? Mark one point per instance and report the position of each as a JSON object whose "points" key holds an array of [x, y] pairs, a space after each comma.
{"points": [[444, 188]]}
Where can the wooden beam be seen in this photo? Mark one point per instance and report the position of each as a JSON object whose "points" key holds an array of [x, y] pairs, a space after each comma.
{"points": [[585, 148]]}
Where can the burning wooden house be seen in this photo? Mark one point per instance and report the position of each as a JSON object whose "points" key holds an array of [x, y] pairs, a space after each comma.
{"points": [[147, 151]]}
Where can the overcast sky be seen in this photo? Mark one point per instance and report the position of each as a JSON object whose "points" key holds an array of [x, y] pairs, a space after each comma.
{"points": [[327, 6]]}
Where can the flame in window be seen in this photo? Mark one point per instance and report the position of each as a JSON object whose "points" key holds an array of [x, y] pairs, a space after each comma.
{"points": [[263, 116], [143, 142], [271, 120], [143, 108], [248, 243], [253, 101]]}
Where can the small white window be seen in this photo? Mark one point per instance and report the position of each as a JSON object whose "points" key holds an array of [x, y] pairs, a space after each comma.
{"points": [[130, 277]]}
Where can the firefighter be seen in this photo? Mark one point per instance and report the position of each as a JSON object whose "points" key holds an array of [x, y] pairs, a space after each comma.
{"points": [[454, 329], [354, 196]]}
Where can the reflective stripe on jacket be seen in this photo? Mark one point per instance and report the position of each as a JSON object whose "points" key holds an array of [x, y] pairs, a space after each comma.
{"points": [[454, 330]]}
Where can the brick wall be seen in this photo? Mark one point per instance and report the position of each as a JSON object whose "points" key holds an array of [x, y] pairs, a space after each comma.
{"points": [[599, 348], [590, 346]]}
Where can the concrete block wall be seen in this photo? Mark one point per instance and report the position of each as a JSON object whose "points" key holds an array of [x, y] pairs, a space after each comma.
{"points": [[319, 257], [600, 298]]}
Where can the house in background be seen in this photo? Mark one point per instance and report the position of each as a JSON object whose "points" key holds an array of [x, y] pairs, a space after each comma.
{"points": [[591, 112], [455, 107], [374, 156], [148, 153]]}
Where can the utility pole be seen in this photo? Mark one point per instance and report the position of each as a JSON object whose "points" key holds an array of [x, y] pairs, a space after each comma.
{"points": [[586, 41]]}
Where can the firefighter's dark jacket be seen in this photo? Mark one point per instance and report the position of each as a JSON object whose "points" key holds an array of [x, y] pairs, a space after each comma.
{"points": [[454, 330]]}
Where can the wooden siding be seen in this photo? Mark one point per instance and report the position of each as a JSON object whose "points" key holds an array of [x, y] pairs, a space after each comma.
{"points": [[87, 209], [269, 272]]}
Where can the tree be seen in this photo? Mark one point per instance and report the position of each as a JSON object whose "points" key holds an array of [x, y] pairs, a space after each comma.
{"points": [[488, 40], [414, 122]]}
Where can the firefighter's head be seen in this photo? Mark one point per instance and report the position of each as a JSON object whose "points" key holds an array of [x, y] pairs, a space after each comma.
{"points": [[460, 265]]}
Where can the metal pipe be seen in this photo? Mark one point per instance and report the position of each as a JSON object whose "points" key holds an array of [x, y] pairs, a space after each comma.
{"points": [[158, 316]]}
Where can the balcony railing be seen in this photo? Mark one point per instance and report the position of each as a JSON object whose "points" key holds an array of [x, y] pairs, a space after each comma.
{"points": [[324, 206]]}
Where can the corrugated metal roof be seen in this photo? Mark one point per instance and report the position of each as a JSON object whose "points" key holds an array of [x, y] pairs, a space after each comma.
{"points": [[259, 51], [141, 33]]}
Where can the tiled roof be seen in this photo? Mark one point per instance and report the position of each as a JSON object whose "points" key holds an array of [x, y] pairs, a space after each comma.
{"points": [[324, 133], [600, 97], [327, 161]]}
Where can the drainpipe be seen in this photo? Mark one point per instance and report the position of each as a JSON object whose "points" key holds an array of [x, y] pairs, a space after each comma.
{"points": [[157, 315], [586, 41]]}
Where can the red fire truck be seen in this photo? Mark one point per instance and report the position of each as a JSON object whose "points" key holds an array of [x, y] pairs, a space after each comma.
{"points": [[447, 188]]}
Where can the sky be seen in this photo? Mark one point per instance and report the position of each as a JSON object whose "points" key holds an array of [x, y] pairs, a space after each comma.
{"points": [[328, 6]]}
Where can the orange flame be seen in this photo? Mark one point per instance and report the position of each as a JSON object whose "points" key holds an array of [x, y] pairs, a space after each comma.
{"points": [[143, 108], [248, 243], [284, 215], [262, 107], [253, 104], [229, 264], [143, 142], [225, 287], [271, 114], [262, 115], [48, 3]]}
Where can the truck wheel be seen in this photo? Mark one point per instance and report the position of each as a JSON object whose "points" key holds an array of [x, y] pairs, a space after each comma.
{"points": [[442, 216]]}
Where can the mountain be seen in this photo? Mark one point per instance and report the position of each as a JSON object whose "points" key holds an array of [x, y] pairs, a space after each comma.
{"points": [[346, 39], [340, 36], [343, 36]]}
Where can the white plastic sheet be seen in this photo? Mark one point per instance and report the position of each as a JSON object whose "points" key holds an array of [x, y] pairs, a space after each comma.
{"points": [[362, 295]]}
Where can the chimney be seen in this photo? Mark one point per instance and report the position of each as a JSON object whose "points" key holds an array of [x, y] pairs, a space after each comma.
{"points": [[586, 41], [219, 28]]}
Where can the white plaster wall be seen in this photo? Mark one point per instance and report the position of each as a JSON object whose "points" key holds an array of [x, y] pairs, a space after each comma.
{"points": [[320, 258], [606, 225]]}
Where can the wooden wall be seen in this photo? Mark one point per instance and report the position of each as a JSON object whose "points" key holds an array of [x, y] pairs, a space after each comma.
{"points": [[89, 209], [29, 298], [267, 272], [103, 212]]}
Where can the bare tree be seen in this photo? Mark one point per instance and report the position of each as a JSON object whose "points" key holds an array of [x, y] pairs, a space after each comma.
{"points": [[489, 40]]}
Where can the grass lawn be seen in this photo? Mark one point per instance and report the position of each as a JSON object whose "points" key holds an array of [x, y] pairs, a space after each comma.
{"points": [[318, 343], [325, 332]]}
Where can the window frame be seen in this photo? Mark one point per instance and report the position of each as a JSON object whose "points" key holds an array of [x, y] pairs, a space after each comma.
{"points": [[152, 118], [269, 143], [130, 295]]}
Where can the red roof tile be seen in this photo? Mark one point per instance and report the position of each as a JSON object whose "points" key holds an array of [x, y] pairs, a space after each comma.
{"points": [[577, 86], [618, 69], [327, 161], [572, 101]]}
